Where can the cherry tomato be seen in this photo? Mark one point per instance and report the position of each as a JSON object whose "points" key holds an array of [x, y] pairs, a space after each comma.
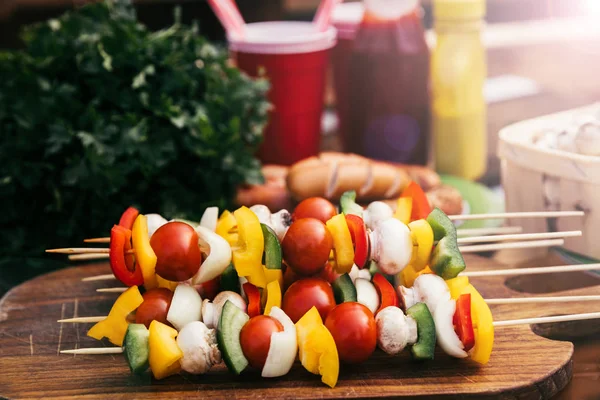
{"points": [[255, 338], [354, 331], [314, 207], [177, 252], [328, 273], [208, 290], [302, 295], [289, 277], [306, 246], [155, 306]]}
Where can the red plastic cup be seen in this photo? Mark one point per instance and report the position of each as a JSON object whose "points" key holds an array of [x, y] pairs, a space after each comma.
{"points": [[346, 19], [294, 56]]}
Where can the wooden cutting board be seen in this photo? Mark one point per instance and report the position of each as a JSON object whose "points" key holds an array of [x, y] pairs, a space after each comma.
{"points": [[523, 365]]}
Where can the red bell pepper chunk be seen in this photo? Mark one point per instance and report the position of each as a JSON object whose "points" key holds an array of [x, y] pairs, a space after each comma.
{"points": [[253, 296], [360, 238], [128, 217], [386, 292], [121, 262], [463, 324], [420, 204]]}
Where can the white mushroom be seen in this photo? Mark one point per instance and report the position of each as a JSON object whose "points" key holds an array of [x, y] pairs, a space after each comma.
{"points": [[394, 330], [211, 311], [199, 347], [431, 290], [218, 253], [376, 212], [263, 213], [391, 246], [280, 222]]}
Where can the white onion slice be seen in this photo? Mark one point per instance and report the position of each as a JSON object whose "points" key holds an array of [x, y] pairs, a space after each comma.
{"points": [[219, 255], [444, 329], [186, 306], [283, 348], [209, 218], [366, 294], [155, 221]]}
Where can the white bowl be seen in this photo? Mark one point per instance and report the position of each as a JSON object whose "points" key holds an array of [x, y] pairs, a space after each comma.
{"points": [[539, 179]]}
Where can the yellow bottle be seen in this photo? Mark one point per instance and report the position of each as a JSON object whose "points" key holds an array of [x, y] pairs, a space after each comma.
{"points": [[458, 71]]}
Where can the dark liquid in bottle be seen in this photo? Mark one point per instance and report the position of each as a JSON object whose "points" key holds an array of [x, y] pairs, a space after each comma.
{"points": [[388, 112]]}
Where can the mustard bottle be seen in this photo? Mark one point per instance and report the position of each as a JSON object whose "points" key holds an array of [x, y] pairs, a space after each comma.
{"points": [[458, 71]]}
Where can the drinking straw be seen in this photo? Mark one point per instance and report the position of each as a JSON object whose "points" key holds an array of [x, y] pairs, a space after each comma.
{"points": [[229, 16], [323, 15]]}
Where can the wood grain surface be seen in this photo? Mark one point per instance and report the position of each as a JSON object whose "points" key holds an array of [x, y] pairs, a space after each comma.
{"points": [[523, 365]]}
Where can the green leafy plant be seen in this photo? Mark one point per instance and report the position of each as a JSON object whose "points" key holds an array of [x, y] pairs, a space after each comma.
{"points": [[98, 113]]}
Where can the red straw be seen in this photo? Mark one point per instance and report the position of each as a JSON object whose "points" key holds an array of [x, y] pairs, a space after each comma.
{"points": [[323, 15], [229, 16]]}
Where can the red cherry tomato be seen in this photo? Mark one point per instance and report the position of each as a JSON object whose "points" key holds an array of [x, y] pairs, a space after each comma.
{"points": [[354, 331], [208, 290], [289, 277], [302, 295], [314, 207], [328, 273], [177, 252], [255, 338], [155, 307], [306, 246]]}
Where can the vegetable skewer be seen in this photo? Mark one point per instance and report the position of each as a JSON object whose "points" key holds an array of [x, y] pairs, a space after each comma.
{"points": [[498, 301], [513, 322]]}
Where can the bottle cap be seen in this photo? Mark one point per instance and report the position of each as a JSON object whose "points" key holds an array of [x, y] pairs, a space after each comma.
{"points": [[458, 9]]}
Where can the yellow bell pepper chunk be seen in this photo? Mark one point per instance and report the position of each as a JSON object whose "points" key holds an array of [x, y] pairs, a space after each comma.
{"points": [[115, 325], [144, 254], [342, 243], [273, 275], [164, 352], [481, 315], [273, 296], [318, 353], [163, 283], [409, 274], [423, 234], [226, 225], [403, 210], [247, 254]]}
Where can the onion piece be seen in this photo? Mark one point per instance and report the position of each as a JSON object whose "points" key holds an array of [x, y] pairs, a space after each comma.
{"points": [[219, 255], [209, 218], [186, 306], [444, 329], [155, 221], [366, 294], [283, 348]]}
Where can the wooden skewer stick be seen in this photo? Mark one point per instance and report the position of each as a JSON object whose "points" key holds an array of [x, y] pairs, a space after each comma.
{"points": [[78, 250], [546, 320], [489, 231], [553, 299], [532, 271], [97, 240], [82, 320], [91, 256], [511, 245], [94, 350], [105, 277], [527, 214], [111, 290], [520, 236]]}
